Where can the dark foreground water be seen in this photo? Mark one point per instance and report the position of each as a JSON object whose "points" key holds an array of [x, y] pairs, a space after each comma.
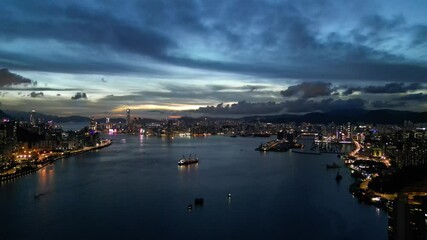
{"points": [[135, 190]]}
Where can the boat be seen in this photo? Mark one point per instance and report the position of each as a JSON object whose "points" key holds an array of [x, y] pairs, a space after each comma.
{"points": [[38, 195], [338, 177], [188, 161], [333, 165]]}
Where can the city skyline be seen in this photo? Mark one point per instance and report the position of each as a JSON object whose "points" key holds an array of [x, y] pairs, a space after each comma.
{"points": [[179, 57]]}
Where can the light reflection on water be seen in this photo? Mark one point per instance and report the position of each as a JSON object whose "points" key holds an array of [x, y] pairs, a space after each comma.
{"points": [[187, 169]]}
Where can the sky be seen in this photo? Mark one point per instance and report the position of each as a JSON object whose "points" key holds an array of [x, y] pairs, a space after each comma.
{"points": [[212, 58]]}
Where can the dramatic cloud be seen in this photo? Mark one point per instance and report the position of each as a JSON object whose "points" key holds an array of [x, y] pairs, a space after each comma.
{"points": [[297, 106], [420, 97], [7, 78], [387, 88], [200, 52], [326, 105], [79, 95], [308, 90], [279, 39], [250, 88], [198, 95], [243, 108]]}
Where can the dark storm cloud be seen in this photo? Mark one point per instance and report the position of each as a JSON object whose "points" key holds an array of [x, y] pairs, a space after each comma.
{"points": [[325, 105], [337, 58], [7, 78], [277, 39], [79, 95], [420, 35], [243, 108], [250, 87], [195, 94], [375, 28], [420, 97], [296, 106], [80, 24], [387, 88], [70, 64], [35, 94], [76, 24], [308, 90]]}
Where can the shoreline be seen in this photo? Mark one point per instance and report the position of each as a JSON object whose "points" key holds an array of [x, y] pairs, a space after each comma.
{"points": [[8, 177], [360, 187]]}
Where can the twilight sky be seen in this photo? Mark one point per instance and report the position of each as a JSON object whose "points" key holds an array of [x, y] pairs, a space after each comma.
{"points": [[214, 58]]}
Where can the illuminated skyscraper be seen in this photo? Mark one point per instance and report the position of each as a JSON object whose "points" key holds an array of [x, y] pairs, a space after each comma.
{"points": [[127, 117], [93, 124], [33, 117], [349, 135]]}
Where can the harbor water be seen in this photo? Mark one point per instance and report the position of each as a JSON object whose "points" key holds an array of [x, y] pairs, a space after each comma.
{"points": [[134, 189]]}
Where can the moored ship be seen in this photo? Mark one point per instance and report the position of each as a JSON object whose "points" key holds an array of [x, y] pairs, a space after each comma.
{"points": [[187, 161]]}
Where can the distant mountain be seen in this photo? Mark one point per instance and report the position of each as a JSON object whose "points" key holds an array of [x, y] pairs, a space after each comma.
{"points": [[383, 116], [25, 116], [8, 78], [4, 115]]}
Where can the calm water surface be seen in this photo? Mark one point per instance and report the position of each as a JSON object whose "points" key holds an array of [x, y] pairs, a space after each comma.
{"points": [[135, 190]]}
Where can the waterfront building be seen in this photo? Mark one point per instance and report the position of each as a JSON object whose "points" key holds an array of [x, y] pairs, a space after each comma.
{"points": [[8, 139], [93, 124]]}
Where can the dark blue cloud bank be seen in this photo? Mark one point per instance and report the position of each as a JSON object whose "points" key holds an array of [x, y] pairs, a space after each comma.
{"points": [[320, 54]]}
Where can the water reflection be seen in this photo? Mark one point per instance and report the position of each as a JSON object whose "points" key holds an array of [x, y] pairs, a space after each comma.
{"points": [[279, 198], [46, 175], [141, 140], [187, 169]]}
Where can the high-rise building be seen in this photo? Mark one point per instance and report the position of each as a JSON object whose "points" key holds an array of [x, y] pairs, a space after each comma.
{"points": [[349, 135], [93, 124], [407, 221], [128, 117], [33, 117], [8, 139]]}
